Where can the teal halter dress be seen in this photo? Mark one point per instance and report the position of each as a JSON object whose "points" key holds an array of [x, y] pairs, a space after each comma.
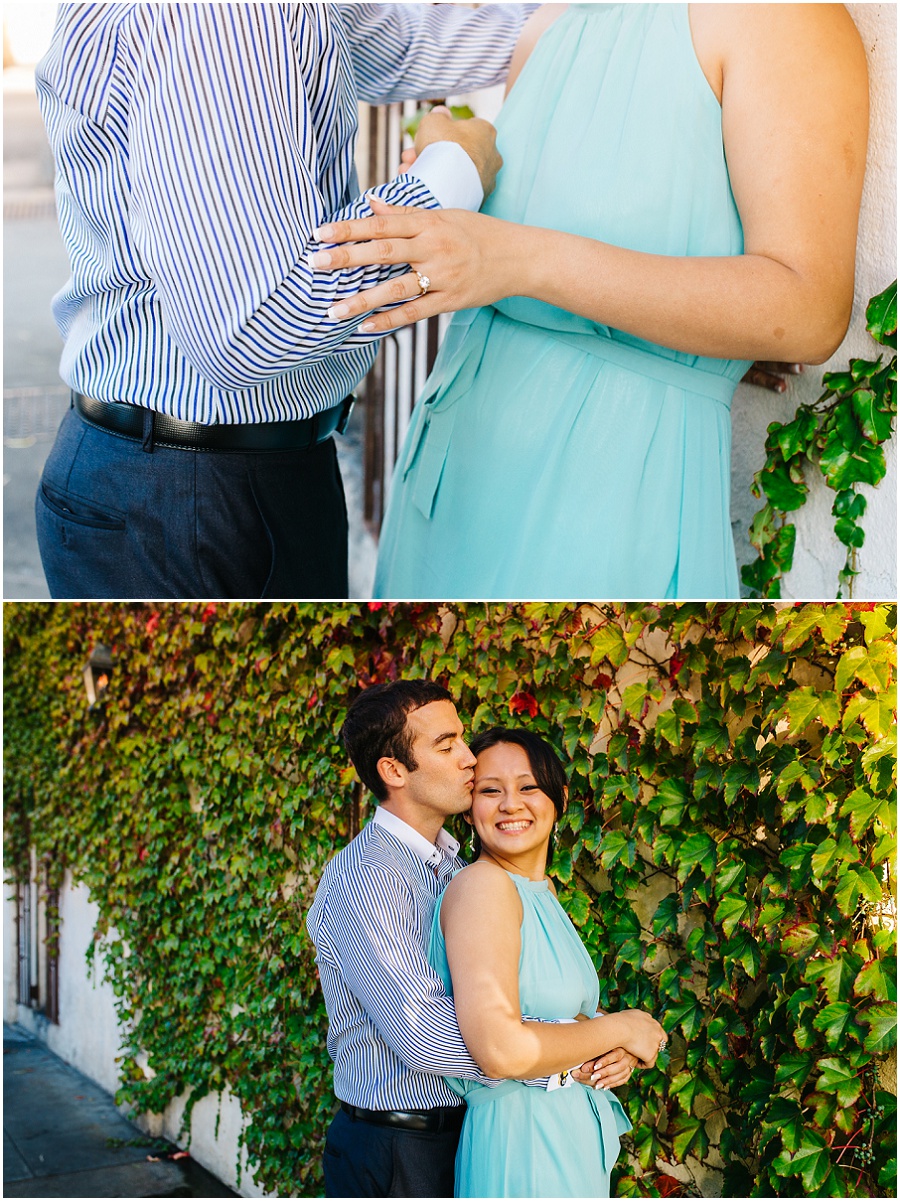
{"points": [[522, 1141], [551, 457]]}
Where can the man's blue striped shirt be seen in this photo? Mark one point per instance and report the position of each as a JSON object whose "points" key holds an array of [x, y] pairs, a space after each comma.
{"points": [[392, 1030], [197, 146]]}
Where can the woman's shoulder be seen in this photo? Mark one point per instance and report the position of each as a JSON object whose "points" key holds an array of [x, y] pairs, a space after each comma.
{"points": [[795, 30], [482, 883], [783, 36]]}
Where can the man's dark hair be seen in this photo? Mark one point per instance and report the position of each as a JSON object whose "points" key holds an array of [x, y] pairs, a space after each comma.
{"points": [[375, 727], [546, 765]]}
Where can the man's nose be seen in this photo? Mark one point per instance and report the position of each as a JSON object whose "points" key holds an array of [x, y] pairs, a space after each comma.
{"points": [[468, 760]]}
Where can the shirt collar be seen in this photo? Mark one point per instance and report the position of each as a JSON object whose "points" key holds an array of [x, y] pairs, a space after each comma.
{"points": [[430, 852]]}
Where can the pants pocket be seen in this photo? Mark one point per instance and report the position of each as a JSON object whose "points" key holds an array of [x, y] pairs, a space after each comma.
{"points": [[70, 507]]}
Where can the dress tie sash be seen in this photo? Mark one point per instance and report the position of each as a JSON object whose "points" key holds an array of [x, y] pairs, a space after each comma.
{"points": [[458, 363], [610, 1115]]}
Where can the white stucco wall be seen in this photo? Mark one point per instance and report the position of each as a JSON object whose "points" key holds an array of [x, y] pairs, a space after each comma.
{"points": [[819, 556], [10, 955], [88, 1037]]}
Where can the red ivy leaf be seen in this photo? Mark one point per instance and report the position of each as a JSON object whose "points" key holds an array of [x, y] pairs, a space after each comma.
{"points": [[523, 702]]}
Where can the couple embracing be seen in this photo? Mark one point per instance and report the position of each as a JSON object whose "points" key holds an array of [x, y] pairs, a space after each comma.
{"points": [[460, 998]]}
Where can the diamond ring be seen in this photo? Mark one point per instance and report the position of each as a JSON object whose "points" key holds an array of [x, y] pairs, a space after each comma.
{"points": [[424, 282]]}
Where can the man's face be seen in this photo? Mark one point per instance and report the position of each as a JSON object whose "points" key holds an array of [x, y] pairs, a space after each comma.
{"points": [[442, 781]]}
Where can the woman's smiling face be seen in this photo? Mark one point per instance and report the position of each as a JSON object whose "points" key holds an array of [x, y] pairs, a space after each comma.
{"points": [[511, 814]]}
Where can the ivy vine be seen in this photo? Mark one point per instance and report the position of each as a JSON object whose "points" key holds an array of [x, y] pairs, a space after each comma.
{"points": [[842, 435], [727, 851]]}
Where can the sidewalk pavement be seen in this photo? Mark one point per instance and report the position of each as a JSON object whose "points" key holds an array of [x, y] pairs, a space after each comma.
{"points": [[35, 266], [64, 1137]]}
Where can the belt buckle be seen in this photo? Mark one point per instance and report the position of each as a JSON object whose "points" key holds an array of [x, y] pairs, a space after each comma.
{"points": [[346, 409]]}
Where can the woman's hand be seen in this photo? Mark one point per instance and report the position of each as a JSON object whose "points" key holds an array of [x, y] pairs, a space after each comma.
{"points": [[645, 1038], [466, 257], [611, 1070]]}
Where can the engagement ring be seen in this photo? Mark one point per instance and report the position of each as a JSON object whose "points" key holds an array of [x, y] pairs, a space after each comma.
{"points": [[424, 282]]}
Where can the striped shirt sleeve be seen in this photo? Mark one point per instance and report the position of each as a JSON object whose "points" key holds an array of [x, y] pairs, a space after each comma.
{"points": [[224, 166], [406, 52], [374, 927]]}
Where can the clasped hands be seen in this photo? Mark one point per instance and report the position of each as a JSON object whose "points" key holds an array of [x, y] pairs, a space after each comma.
{"points": [[611, 1070]]}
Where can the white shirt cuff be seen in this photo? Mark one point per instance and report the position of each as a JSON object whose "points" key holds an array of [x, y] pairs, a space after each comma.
{"points": [[448, 172]]}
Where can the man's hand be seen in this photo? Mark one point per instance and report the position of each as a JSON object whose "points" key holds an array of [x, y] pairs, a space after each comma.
{"points": [[476, 136], [611, 1070], [771, 375]]}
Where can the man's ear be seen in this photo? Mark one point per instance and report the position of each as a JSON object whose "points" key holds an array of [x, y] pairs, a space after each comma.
{"points": [[391, 771]]}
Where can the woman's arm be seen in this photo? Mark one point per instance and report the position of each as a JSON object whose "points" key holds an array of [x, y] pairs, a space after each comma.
{"points": [[795, 115], [484, 964]]}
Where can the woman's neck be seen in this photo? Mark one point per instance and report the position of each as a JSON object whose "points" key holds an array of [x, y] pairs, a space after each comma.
{"points": [[530, 864]]}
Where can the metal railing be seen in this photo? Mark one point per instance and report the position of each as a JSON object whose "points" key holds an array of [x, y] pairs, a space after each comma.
{"points": [[405, 358]]}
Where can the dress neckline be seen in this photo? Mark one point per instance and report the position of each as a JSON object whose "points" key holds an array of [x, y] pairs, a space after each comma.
{"points": [[524, 882]]}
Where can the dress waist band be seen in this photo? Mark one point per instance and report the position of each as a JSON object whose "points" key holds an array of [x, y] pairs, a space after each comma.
{"points": [[644, 362]]}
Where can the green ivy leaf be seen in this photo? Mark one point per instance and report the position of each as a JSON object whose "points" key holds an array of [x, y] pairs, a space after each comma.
{"points": [[871, 664], [732, 910], [697, 850], [833, 1022], [876, 425], [856, 884], [794, 1068], [863, 809], [783, 492], [617, 847], [577, 905], [881, 316], [878, 980], [845, 466], [671, 800], [786, 1118], [690, 1137], [688, 1013], [744, 949], [667, 914], [836, 976], [813, 1161], [882, 1023], [805, 705], [608, 642], [839, 1078]]}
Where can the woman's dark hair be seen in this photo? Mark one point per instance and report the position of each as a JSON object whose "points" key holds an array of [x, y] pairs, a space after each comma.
{"points": [[546, 765], [375, 727]]}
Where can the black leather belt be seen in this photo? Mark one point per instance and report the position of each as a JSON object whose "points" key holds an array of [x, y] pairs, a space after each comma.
{"points": [[143, 425], [448, 1117]]}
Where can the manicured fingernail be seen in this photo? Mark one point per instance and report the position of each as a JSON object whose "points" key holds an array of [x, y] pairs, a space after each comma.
{"points": [[319, 258], [367, 327], [324, 232], [600, 1086], [338, 310], [597, 1076]]}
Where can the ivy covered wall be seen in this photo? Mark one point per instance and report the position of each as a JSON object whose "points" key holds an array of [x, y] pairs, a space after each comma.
{"points": [[726, 853]]}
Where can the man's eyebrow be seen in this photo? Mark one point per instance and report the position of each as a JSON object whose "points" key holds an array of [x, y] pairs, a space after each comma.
{"points": [[443, 737]]}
